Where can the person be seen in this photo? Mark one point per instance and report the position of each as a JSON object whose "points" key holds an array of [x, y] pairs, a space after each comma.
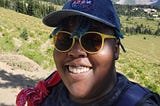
{"points": [[86, 46]]}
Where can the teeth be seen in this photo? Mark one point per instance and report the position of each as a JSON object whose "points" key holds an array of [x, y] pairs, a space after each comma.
{"points": [[78, 70]]}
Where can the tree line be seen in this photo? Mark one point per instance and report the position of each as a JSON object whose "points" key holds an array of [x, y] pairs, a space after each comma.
{"points": [[29, 7], [141, 29]]}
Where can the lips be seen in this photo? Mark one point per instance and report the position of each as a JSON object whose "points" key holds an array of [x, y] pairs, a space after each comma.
{"points": [[78, 69], [78, 73], [78, 66]]}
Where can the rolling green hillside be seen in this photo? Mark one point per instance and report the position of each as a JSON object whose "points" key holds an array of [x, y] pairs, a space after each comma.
{"points": [[26, 35], [15, 27], [141, 62]]}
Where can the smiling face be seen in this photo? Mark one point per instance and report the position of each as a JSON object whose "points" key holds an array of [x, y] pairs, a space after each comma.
{"points": [[88, 76]]}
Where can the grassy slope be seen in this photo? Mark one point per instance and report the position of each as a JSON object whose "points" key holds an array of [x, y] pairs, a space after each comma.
{"points": [[12, 25], [141, 63]]}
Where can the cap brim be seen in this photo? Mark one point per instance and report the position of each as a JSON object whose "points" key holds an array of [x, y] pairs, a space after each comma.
{"points": [[54, 18]]}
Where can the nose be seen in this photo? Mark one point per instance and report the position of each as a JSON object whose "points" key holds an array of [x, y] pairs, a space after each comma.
{"points": [[77, 51]]}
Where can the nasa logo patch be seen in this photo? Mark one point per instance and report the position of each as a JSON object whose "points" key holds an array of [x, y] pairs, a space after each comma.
{"points": [[81, 4]]}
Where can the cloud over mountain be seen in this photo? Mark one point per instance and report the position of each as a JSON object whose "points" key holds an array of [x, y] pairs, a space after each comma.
{"points": [[138, 2]]}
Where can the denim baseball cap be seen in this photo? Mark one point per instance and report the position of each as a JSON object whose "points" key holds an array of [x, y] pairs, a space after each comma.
{"points": [[99, 10]]}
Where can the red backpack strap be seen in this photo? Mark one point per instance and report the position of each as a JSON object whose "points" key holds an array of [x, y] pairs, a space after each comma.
{"points": [[35, 96], [53, 79]]}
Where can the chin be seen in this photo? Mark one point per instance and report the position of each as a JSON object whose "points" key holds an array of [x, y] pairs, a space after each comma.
{"points": [[79, 91]]}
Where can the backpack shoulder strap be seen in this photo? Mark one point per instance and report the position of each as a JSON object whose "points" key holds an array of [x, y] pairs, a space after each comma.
{"points": [[153, 96], [136, 95], [53, 79]]}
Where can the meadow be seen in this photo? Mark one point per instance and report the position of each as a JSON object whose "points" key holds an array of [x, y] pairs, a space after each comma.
{"points": [[26, 35], [141, 62]]}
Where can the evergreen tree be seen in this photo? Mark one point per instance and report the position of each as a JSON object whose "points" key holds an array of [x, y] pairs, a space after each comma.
{"points": [[30, 8], [157, 33], [19, 6]]}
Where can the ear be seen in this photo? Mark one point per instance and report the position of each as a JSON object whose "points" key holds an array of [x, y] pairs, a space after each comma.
{"points": [[116, 50]]}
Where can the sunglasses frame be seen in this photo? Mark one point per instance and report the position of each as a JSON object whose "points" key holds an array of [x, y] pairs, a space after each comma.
{"points": [[103, 36]]}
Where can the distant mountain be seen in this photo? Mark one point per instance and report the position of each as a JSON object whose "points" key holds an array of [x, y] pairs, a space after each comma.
{"points": [[138, 2], [156, 3]]}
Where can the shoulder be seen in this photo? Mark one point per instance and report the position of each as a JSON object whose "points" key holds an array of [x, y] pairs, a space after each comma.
{"points": [[137, 95], [37, 94], [54, 96], [57, 90]]}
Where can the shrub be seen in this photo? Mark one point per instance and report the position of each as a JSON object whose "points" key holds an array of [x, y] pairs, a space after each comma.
{"points": [[24, 34]]}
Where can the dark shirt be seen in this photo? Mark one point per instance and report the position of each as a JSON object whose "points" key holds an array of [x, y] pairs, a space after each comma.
{"points": [[59, 95]]}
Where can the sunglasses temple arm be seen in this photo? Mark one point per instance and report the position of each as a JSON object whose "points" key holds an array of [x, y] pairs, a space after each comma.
{"points": [[124, 50]]}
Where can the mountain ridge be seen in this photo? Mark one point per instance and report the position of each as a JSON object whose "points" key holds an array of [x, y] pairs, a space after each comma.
{"points": [[138, 2]]}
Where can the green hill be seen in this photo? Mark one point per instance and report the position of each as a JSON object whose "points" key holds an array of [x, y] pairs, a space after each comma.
{"points": [[26, 35], [16, 27]]}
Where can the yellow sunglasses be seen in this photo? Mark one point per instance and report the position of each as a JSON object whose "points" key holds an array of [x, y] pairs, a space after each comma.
{"points": [[90, 42]]}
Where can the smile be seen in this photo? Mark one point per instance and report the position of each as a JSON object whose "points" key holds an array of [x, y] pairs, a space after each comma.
{"points": [[78, 69]]}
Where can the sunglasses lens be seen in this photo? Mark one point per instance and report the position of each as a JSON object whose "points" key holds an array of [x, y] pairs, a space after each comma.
{"points": [[91, 42], [63, 41]]}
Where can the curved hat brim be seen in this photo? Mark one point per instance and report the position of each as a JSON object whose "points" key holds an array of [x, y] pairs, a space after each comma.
{"points": [[54, 18]]}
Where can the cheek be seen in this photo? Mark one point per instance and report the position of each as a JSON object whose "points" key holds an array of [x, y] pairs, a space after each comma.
{"points": [[55, 56], [103, 57], [59, 62], [58, 58], [103, 63]]}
